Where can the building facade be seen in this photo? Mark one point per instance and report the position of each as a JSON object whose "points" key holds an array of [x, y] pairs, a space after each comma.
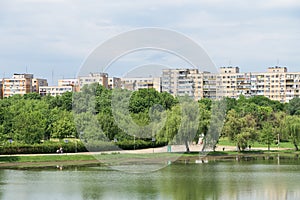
{"points": [[277, 83], [114, 82], [38, 82], [101, 78], [1, 89], [55, 90], [70, 82], [189, 82], [19, 84], [135, 84]]}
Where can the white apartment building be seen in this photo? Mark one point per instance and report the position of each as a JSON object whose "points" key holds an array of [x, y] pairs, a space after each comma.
{"points": [[55, 90], [74, 82], [178, 82], [135, 84], [190, 82]]}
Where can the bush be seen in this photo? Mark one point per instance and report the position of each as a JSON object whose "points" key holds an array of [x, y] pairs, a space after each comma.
{"points": [[47, 147], [72, 147], [138, 144]]}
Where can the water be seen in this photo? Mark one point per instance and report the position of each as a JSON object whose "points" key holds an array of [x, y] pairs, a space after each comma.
{"points": [[213, 180]]}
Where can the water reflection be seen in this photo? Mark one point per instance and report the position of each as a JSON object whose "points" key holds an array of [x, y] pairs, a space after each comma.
{"points": [[213, 180]]}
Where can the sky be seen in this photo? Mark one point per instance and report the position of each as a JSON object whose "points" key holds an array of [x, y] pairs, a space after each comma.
{"points": [[53, 38]]}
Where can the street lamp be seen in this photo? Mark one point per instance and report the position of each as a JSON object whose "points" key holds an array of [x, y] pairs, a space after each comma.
{"points": [[134, 142], [153, 140]]}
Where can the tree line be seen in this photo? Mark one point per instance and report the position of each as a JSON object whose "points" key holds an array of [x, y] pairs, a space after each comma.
{"points": [[99, 114]]}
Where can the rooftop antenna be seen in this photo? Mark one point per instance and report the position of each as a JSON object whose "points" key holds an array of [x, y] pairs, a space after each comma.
{"points": [[277, 61], [26, 70], [52, 76], [229, 63]]}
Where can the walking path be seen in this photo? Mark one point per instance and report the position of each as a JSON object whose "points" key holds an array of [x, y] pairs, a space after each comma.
{"points": [[174, 148]]}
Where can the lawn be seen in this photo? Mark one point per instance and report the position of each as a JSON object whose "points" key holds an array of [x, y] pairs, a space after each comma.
{"points": [[225, 142]]}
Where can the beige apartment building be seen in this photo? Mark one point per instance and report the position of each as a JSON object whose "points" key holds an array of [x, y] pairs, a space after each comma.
{"points": [[70, 82], [101, 78], [114, 82], [135, 84], [38, 82], [1, 89], [277, 83], [22, 84], [19, 84]]}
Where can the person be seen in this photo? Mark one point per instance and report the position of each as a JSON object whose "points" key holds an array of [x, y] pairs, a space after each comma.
{"points": [[60, 150]]}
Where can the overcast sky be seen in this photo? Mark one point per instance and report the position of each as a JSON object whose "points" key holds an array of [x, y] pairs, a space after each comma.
{"points": [[58, 35]]}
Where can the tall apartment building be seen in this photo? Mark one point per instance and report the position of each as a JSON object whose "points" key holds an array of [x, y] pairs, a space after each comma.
{"points": [[135, 84], [19, 84], [190, 82], [178, 82], [277, 83], [101, 78]]}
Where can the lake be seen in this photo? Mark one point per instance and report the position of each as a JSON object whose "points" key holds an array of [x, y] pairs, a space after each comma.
{"points": [[257, 179]]}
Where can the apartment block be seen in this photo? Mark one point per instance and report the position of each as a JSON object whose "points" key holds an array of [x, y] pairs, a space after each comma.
{"points": [[114, 82], [135, 84], [19, 84], [70, 82], [178, 82], [277, 83], [189, 82], [38, 82], [101, 78], [55, 90], [1, 89]]}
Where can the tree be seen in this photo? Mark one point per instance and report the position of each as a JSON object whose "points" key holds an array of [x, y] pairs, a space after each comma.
{"points": [[241, 130], [64, 126], [293, 107], [266, 134], [29, 122], [293, 129], [189, 122]]}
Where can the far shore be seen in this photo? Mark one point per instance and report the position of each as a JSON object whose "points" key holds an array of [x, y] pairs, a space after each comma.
{"points": [[24, 161]]}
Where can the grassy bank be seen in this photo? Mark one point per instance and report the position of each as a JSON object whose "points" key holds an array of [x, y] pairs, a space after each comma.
{"points": [[226, 142], [83, 159]]}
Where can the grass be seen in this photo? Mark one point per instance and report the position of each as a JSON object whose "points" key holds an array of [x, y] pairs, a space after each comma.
{"points": [[45, 158], [226, 142]]}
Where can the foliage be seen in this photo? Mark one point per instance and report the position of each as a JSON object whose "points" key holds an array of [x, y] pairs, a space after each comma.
{"points": [[99, 116]]}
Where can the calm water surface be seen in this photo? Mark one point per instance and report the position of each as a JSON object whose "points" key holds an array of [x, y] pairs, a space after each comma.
{"points": [[214, 180]]}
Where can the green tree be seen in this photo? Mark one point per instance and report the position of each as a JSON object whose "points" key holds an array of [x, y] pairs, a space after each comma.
{"points": [[293, 107], [64, 126], [29, 122], [266, 134], [293, 129]]}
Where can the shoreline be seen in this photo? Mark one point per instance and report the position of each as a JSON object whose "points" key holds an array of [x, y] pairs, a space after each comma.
{"points": [[30, 161]]}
